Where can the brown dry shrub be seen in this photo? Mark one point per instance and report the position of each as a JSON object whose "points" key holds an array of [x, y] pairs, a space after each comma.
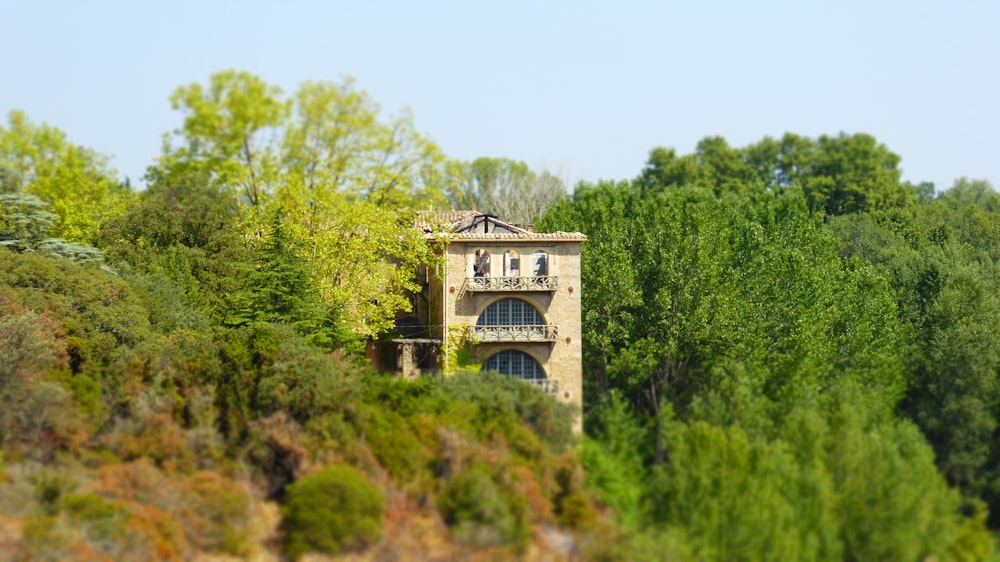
{"points": [[158, 438], [138, 481], [153, 534], [217, 513], [539, 506], [278, 453]]}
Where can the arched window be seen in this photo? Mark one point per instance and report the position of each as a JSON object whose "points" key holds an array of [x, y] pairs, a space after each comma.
{"points": [[511, 263], [539, 264], [481, 265], [510, 312], [514, 363]]}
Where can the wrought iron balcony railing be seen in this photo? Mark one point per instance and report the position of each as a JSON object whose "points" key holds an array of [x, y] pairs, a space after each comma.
{"points": [[538, 283], [513, 333], [547, 385]]}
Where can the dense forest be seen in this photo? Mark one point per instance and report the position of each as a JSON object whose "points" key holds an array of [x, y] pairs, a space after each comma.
{"points": [[789, 352]]}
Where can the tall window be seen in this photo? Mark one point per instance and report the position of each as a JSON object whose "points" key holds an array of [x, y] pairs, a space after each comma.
{"points": [[481, 264], [510, 312], [539, 264], [514, 363], [511, 263]]}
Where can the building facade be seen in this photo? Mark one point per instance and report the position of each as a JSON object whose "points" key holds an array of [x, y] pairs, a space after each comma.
{"points": [[506, 298]]}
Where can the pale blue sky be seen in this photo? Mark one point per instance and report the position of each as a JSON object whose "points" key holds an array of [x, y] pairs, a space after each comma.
{"points": [[584, 89]]}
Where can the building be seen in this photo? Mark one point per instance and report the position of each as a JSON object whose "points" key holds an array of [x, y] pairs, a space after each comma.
{"points": [[501, 296]]}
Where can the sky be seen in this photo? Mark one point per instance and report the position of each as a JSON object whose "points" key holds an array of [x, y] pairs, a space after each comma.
{"points": [[582, 89]]}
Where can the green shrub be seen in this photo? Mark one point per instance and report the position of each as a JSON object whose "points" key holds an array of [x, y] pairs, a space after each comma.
{"points": [[100, 520], [482, 512], [331, 511]]}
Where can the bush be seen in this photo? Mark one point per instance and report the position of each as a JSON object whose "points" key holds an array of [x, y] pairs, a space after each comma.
{"points": [[220, 520], [331, 511], [483, 513]]}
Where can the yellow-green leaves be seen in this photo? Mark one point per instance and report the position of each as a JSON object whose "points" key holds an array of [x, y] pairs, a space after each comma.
{"points": [[227, 134], [365, 257], [340, 173], [338, 143], [77, 182]]}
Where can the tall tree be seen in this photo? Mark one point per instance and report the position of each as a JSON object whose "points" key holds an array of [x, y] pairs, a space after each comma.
{"points": [[508, 189], [278, 289], [75, 181], [690, 294], [337, 143], [838, 174], [341, 174], [227, 135]]}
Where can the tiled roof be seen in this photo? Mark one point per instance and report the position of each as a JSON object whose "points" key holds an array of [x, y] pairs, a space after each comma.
{"points": [[466, 225], [519, 236]]}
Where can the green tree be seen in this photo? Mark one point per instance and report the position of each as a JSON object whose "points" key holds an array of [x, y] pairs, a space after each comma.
{"points": [[972, 192], [337, 143], [278, 289], [338, 172], [838, 174], [25, 224], [364, 257], [75, 181], [508, 189], [941, 259], [689, 293], [225, 137], [183, 235]]}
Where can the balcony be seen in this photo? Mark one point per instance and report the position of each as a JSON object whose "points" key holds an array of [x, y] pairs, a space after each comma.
{"points": [[513, 333], [550, 386], [538, 283]]}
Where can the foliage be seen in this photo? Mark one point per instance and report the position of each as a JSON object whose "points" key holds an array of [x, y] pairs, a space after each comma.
{"points": [[941, 258], [746, 361], [789, 353], [339, 174], [338, 143], [185, 240], [508, 189], [25, 225], [837, 174], [363, 257], [222, 508], [223, 139], [278, 290], [481, 512], [331, 511], [698, 299], [76, 181]]}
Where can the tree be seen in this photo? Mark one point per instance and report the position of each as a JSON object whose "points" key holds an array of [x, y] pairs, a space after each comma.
{"points": [[365, 259], [972, 192], [337, 143], [279, 289], [227, 135], [340, 174], [838, 174], [183, 234], [508, 189], [75, 181], [25, 223], [689, 293], [940, 257]]}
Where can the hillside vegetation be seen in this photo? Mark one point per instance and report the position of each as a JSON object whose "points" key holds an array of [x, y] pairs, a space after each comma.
{"points": [[789, 353]]}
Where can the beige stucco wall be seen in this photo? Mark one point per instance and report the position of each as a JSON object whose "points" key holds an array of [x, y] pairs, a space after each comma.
{"points": [[562, 359]]}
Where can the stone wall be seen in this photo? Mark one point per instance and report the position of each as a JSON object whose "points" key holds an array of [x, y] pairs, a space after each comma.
{"points": [[562, 359]]}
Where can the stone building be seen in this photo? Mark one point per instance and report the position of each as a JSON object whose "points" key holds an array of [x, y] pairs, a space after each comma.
{"points": [[502, 296]]}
